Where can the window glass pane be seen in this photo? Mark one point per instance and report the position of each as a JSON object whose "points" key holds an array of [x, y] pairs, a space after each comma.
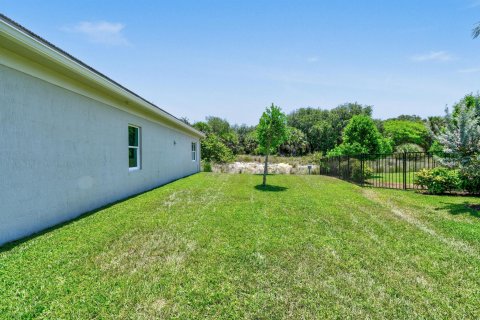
{"points": [[132, 157], [133, 136]]}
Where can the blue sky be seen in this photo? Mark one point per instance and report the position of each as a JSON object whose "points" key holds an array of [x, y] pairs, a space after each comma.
{"points": [[233, 58]]}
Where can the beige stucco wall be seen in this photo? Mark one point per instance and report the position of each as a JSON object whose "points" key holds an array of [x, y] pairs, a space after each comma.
{"points": [[64, 154]]}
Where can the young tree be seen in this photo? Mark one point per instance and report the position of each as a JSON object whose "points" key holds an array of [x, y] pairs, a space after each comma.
{"points": [[272, 131]]}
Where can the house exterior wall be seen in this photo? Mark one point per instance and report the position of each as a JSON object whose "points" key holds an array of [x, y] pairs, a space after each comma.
{"points": [[64, 154]]}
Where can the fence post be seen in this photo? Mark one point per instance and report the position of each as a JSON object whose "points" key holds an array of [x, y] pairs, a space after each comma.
{"points": [[404, 170], [348, 168], [339, 167], [362, 171]]}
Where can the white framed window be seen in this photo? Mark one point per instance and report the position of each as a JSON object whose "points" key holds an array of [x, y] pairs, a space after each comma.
{"points": [[194, 151], [134, 143]]}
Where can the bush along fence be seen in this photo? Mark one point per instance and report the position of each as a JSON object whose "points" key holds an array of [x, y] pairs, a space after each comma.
{"points": [[394, 171]]}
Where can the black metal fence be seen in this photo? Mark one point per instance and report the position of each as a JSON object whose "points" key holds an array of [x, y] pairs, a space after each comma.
{"points": [[394, 170]]}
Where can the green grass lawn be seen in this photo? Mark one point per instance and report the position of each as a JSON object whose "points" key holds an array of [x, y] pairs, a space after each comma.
{"points": [[218, 246]]}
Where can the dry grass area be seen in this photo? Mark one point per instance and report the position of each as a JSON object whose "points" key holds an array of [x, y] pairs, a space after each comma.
{"points": [[219, 246]]}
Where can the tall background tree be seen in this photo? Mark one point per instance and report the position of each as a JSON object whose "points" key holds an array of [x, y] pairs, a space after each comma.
{"points": [[213, 148], [361, 135], [222, 129], [247, 138], [322, 131], [408, 132], [323, 128], [272, 131], [295, 145]]}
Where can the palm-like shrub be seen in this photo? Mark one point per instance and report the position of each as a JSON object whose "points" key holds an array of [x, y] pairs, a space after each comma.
{"points": [[460, 140], [461, 137], [476, 31]]}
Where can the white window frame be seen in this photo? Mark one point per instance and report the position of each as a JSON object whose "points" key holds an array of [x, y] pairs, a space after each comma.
{"points": [[194, 152], [138, 148]]}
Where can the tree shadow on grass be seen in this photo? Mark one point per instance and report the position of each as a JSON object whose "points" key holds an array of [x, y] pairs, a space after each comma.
{"points": [[270, 188], [465, 208]]}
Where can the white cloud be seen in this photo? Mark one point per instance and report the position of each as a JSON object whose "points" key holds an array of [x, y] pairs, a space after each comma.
{"points": [[439, 56], [102, 32], [469, 70]]}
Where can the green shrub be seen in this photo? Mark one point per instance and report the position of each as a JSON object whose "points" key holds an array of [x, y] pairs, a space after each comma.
{"points": [[214, 150], [470, 177], [207, 166], [367, 172], [347, 149], [438, 180], [409, 147], [356, 171], [315, 157]]}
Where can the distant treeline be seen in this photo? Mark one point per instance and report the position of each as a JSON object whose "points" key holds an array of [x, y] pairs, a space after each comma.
{"points": [[317, 130]]}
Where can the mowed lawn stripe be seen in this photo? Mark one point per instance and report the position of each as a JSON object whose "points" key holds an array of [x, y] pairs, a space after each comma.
{"points": [[219, 246]]}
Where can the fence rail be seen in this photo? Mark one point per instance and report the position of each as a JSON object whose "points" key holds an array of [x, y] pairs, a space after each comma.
{"points": [[393, 171]]}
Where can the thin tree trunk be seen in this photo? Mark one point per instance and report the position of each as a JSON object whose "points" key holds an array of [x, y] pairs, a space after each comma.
{"points": [[265, 170]]}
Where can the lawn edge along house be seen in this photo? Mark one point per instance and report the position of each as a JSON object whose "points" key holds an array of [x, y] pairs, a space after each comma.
{"points": [[74, 140]]}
